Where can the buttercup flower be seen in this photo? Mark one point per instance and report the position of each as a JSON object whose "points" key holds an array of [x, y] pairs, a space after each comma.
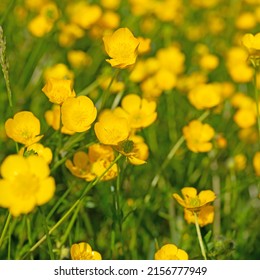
{"points": [[39, 150], [138, 111], [58, 90], [78, 113], [122, 47], [198, 135], [205, 216], [192, 201], [252, 44], [26, 183], [83, 251], [170, 252], [58, 71], [111, 129], [256, 163], [24, 128]]}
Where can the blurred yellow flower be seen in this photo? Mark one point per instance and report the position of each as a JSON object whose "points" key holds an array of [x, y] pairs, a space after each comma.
{"points": [[39, 150], [24, 128], [205, 216], [192, 201], [170, 252], [26, 183], [198, 135], [111, 129], [83, 251], [40, 26], [78, 58], [58, 71], [204, 96], [240, 161], [209, 62], [122, 47], [252, 44], [144, 45], [78, 113], [256, 163], [138, 111], [246, 21], [245, 117], [58, 90]]}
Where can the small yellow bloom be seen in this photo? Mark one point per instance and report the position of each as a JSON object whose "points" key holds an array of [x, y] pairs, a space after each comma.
{"points": [[246, 21], [83, 251], [198, 135], [24, 128], [240, 162], [245, 118], [193, 201], [111, 129], [58, 71], [170, 252], [58, 90], [144, 46], [39, 150], [256, 163], [209, 62], [205, 216], [252, 44], [100, 168], [26, 183], [78, 113], [122, 47], [205, 96], [138, 111], [78, 58], [40, 26]]}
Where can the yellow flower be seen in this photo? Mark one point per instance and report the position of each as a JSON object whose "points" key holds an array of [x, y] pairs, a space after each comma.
{"points": [[245, 118], [122, 47], [83, 251], [144, 45], [193, 201], [246, 21], [256, 163], [40, 25], [170, 252], [205, 216], [209, 62], [111, 129], [138, 111], [240, 162], [134, 149], [198, 135], [93, 164], [58, 71], [26, 183], [78, 113], [205, 96], [58, 90], [78, 58], [252, 44], [39, 150], [24, 128], [52, 118]]}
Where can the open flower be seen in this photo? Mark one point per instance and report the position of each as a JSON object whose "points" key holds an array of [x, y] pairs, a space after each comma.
{"points": [[78, 113], [111, 129], [252, 44], [193, 201], [198, 136], [26, 183], [39, 150], [122, 47], [138, 111], [170, 252], [83, 251], [205, 216], [58, 90], [24, 128]]}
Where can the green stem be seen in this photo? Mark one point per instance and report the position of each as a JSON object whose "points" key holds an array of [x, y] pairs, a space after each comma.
{"points": [[202, 248], [89, 88], [7, 222]]}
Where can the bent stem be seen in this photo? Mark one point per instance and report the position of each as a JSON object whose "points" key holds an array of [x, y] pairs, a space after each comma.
{"points": [[72, 208], [202, 248]]}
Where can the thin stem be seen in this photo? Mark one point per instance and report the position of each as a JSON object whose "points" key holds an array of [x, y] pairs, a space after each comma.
{"points": [[202, 248], [7, 222]]}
